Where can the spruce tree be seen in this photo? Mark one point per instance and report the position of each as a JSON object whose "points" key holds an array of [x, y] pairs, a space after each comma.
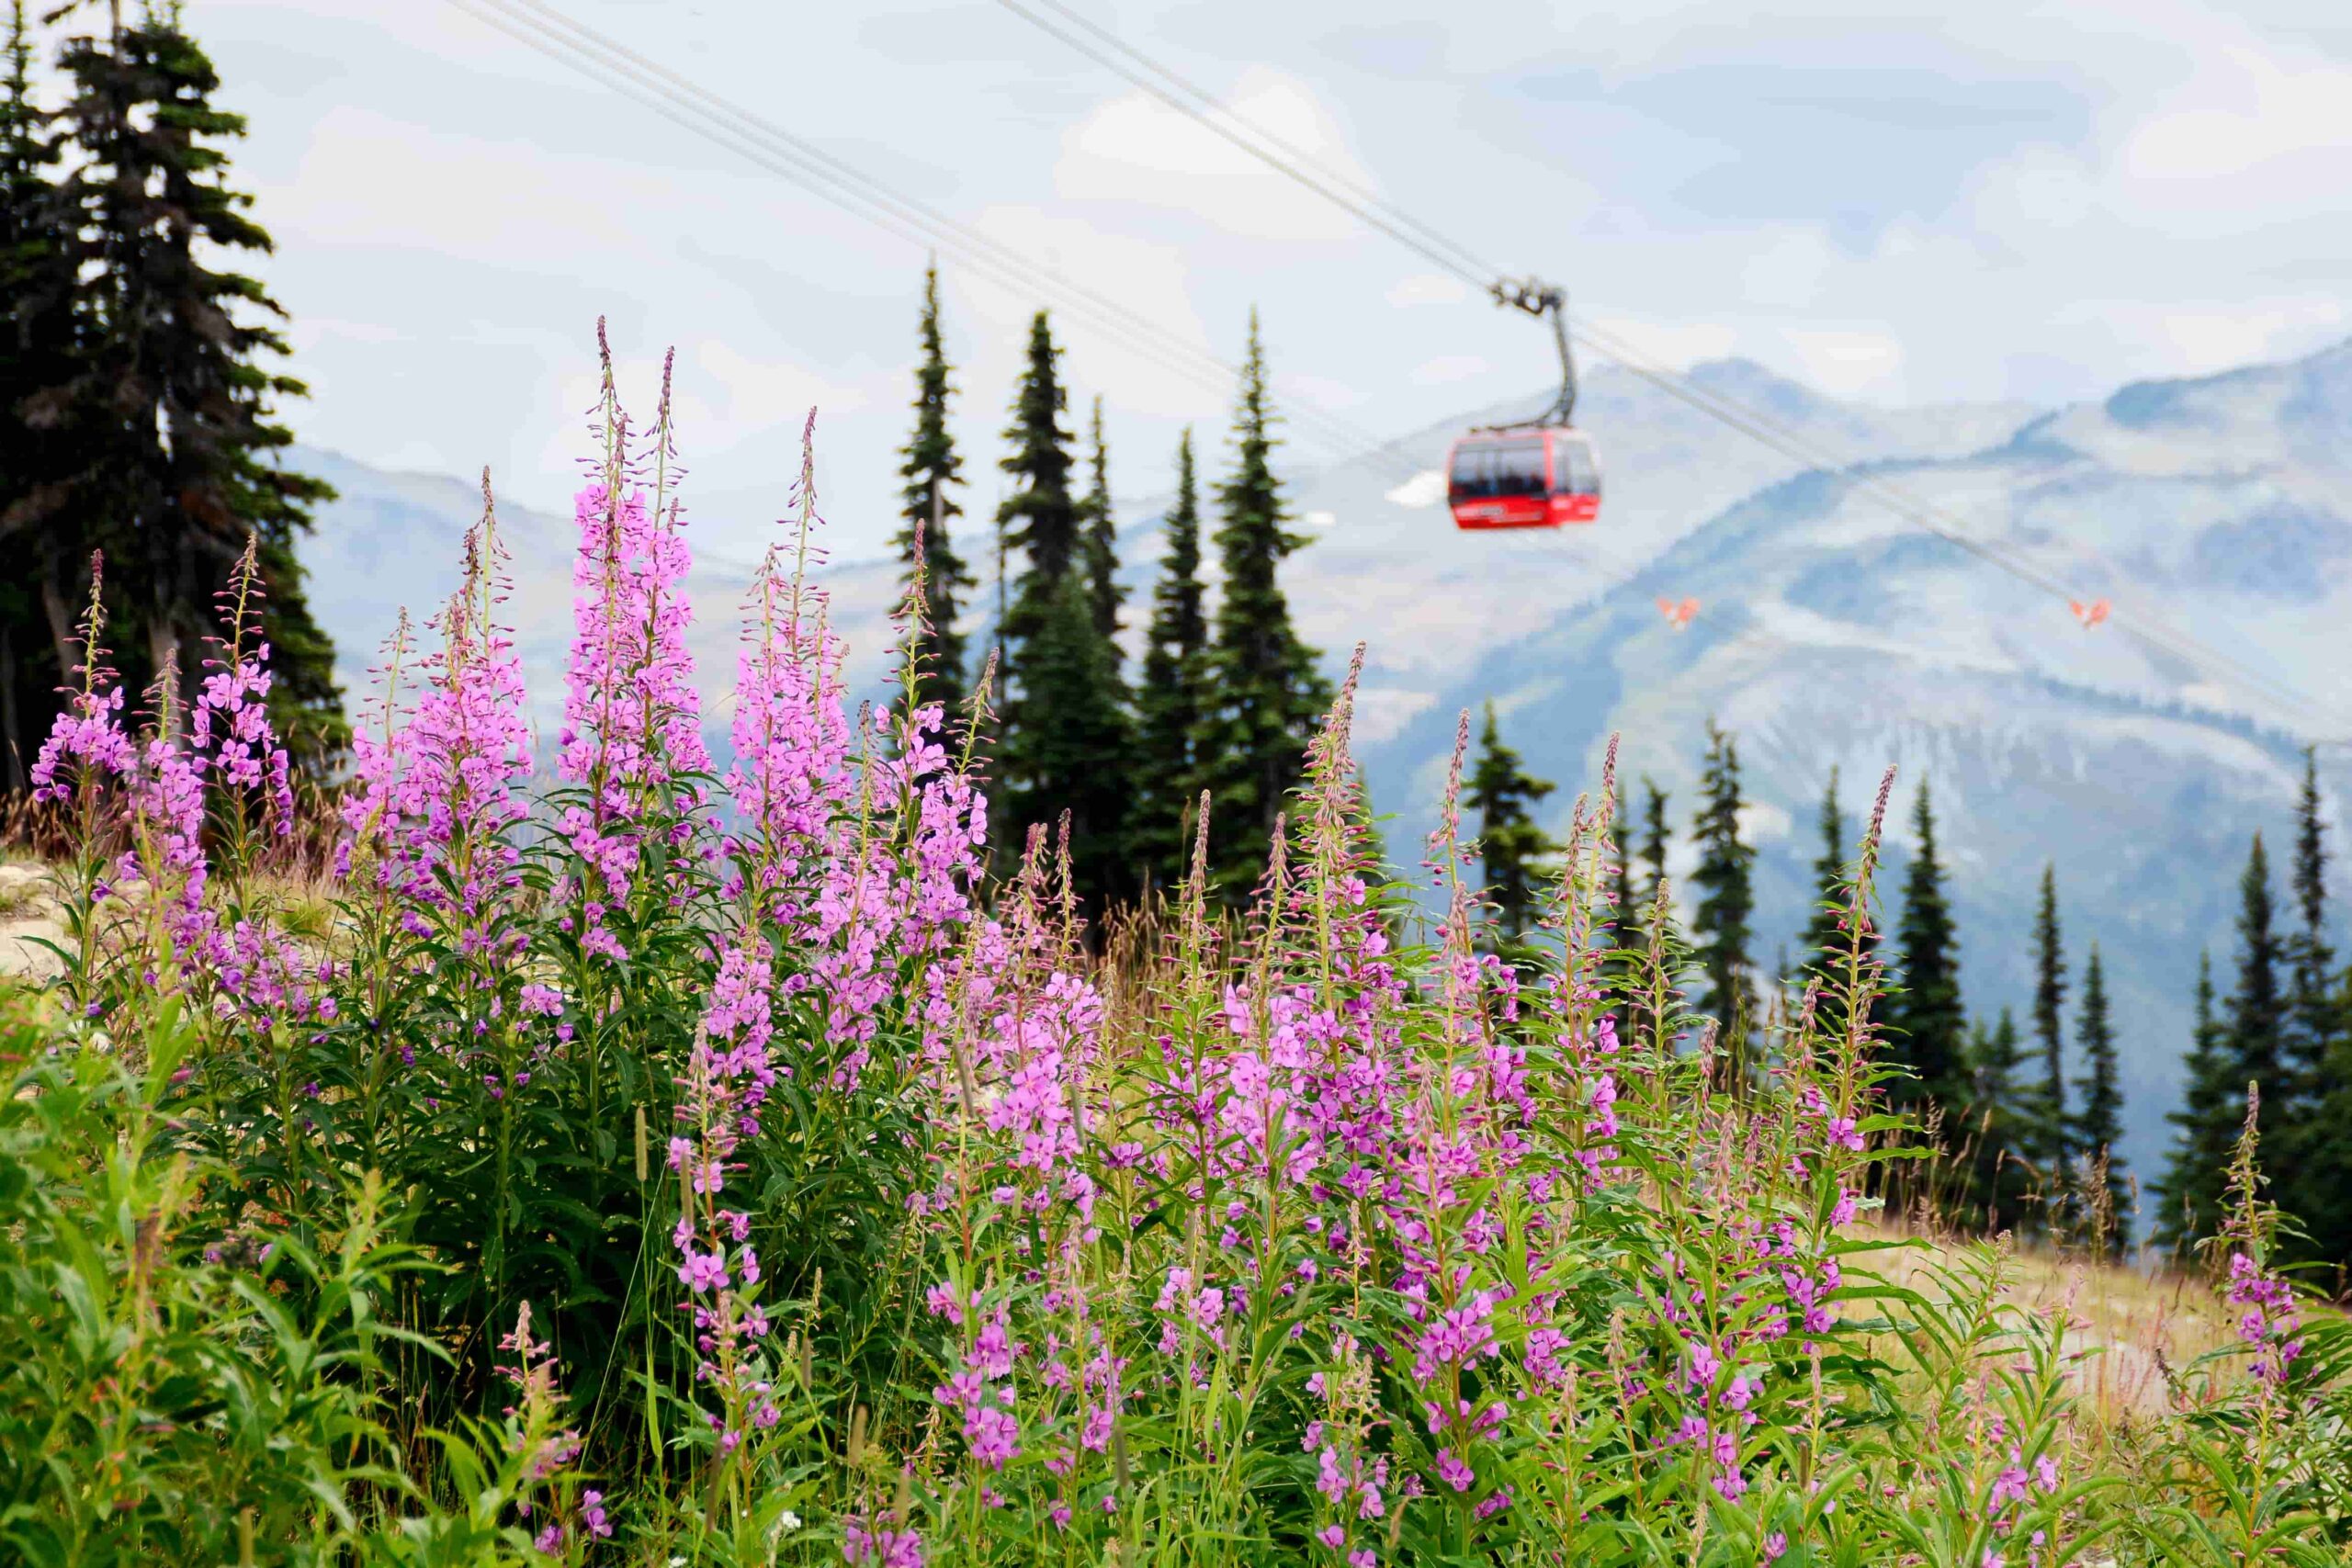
{"points": [[2257, 1010], [2098, 1130], [1511, 848], [1823, 933], [35, 352], [1655, 839], [1065, 726], [2314, 1010], [1927, 1025], [1173, 696], [2049, 1144], [1719, 926], [2213, 1104], [931, 469], [1266, 694], [168, 409], [1999, 1121], [1627, 915], [1097, 540]]}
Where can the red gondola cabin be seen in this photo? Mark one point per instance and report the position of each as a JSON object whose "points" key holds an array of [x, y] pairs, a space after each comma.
{"points": [[1538, 477]]}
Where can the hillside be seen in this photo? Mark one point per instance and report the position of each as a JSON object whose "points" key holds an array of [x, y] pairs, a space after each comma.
{"points": [[1831, 634]]}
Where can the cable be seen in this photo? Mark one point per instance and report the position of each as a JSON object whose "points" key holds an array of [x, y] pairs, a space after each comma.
{"points": [[1105, 48], [545, 28]]}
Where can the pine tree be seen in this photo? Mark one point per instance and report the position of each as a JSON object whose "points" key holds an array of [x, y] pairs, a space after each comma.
{"points": [[1510, 846], [1656, 839], [2049, 1144], [2000, 1120], [1627, 913], [1266, 693], [1073, 722], [166, 411], [2314, 1012], [1726, 896], [2257, 1009], [1097, 540], [2098, 1130], [931, 471], [1064, 723], [46, 546], [2189, 1197], [1173, 693], [1927, 1025]]}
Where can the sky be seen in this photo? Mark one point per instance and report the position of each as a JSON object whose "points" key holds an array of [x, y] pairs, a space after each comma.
{"points": [[1902, 203]]}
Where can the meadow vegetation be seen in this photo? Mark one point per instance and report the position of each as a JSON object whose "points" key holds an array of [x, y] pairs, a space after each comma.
{"points": [[626, 1155]]}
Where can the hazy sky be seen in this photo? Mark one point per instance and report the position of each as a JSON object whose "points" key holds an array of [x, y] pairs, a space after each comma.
{"points": [[2029, 200]]}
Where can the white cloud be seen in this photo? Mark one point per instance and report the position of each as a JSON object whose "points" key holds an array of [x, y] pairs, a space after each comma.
{"points": [[1427, 289], [1137, 149], [1448, 367], [1847, 362], [1424, 488], [1678, 346], [2257, 112]]}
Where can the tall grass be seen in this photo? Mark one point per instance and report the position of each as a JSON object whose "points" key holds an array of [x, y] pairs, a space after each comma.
{"points": [[650, 1161]]}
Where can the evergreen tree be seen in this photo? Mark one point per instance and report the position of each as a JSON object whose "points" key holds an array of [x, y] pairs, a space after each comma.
{"points": [[1627, 915], [1510, 846], [2049, 1144], [1064, 743], [2314, 1010], [1726, 893], [1656, 839], [1927, 1025], [35, 352], [166, 411], [1098, 541], [1823, 936], [2099, 1129], [1174, 695], [1266, 693], [2257, 1010], [2212, 1105], [931, 469], [2000, 1120]]}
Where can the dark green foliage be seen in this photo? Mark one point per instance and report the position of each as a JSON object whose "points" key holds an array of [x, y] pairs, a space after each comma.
{"points": [[1098, 539], [2257, 1006], [1719, 926], [1927, 1026], [2315, 1025], [2189, 1197], [1066, 731], [1265, 695], [2099, 1126], [1173, 693], [932, 470], [35, 352], [1511, 848], [2050, 1143], [161, 425], [1655, 839], [1827, 944], [2000, 1118]]}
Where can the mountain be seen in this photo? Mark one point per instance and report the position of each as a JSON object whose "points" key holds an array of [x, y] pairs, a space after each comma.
{"points": [[1832, 632]]}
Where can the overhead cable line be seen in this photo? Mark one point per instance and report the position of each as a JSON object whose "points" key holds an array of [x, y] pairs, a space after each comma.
{"points": [[1106, 49]]}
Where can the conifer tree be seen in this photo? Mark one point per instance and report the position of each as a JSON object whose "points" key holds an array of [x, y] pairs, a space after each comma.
{"points": [[1625, 920], [2189, 1197], [2098, 1130], [2049, 1142], [1726, 893], [1266, 694], [932, 470], [35, 352], [1097, 540], [1510, 846], [1065, 728], [2257, 1010], [1655, 839], [1999, 1120], [1927, 1025], [1173, 696], [166, 411], [1826, 942], [2314, 1009]]}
